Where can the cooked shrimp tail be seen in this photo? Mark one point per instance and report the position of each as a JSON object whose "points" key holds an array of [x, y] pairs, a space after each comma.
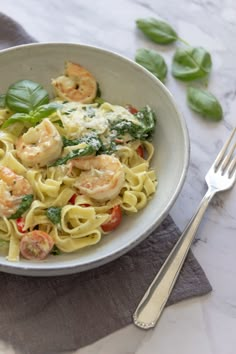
{"points": [[77, 84]]}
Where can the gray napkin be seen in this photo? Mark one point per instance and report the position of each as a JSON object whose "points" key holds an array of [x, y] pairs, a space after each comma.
{"points": [[60, 314]]}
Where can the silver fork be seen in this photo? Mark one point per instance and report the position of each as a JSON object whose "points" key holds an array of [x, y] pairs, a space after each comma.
{"points": [[220, 177]]}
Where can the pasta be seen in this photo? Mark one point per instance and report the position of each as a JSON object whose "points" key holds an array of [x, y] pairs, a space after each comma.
{"points": [[77, 165]]}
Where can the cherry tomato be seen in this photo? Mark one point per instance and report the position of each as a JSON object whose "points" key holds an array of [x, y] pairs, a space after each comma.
{"points": [[132, 109], [140, 151], [114, 221], [20, 223], [73, 198], [36, 245]]}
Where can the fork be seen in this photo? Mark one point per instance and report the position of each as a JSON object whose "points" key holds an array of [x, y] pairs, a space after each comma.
{"points": [[220, 177]]}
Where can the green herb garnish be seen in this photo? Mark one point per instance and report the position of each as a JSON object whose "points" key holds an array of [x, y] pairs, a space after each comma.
{"points": [[24, 205], [191, 63], [152, 61], [54, 215], [204, 103], [158, 31], [142, 130]]}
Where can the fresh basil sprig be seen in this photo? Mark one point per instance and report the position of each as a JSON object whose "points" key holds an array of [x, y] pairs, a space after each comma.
{"points": [[34, 117], [152, 61], [191, 63], [204, 103], [158, 31], [24, 205], [25, 96]]}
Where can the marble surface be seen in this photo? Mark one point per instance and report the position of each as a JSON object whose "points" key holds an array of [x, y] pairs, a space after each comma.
{"points": [[202, 325]]}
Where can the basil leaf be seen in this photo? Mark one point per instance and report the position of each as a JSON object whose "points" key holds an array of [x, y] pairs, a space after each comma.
{"points": [[24, 205], [3, 101], [191, 63], [54, 214], [158, 31], [204, 103], [46, 110], [152, 61], [18, 117], [25, 96], [88, 150]]}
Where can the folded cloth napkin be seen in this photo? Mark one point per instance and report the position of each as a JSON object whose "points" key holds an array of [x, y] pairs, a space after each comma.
{"points": [[61, 314]]}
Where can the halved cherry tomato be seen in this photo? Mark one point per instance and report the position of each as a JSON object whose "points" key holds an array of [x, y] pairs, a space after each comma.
{"points": [[140, 151], [73, 198], [20, 223], [132, 109], [36, 245], [114, 221]]}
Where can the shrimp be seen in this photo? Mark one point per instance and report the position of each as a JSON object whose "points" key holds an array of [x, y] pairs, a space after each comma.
{"points": [[40, 145], [12, 189], [103, 177], [77, 84]]}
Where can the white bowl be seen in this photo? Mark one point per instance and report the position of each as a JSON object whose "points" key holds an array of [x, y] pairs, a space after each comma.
{"points": [[121, 81]]}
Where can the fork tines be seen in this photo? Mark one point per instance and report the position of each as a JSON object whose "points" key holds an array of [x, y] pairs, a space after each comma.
{"points": [[227, 161]]}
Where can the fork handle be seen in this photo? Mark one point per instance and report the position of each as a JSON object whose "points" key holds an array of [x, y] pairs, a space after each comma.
{"points": [[152, 304]]}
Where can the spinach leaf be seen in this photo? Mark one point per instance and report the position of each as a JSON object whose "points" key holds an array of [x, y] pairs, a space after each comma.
{"points": [[191, 63], [204, 103], [54, 215], [90, 112], [55, 251], [86, 151], [158, 31], [94, 141], [46, 110], [107, 149], [24, 205], [99, 100], [2, 101], [152, 61], [90, 139], [25, 96], [142, 130]]}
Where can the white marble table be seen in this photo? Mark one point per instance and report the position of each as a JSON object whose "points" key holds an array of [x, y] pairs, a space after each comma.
{"points": [[202, 325]]}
